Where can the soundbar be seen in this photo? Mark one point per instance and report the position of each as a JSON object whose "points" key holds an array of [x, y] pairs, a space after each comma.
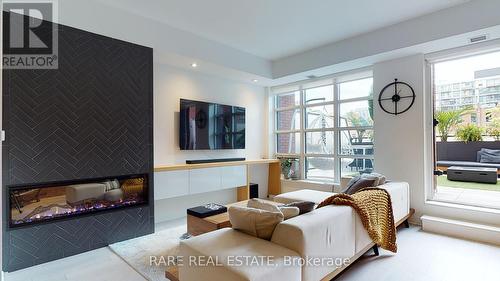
{"points": [[203, 161]]}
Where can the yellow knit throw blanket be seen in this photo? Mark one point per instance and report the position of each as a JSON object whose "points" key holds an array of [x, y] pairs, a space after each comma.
{"points": [[374, 207]]}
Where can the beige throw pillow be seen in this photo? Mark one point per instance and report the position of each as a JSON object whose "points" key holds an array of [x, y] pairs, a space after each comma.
{"points": [[262, 205], [288, 211], [255, 222]]}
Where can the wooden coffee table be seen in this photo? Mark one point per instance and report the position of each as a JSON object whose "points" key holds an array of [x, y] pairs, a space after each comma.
{"points": [[197, 226]]}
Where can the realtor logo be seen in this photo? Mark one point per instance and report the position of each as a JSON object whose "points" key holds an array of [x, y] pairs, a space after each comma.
{"points": [[29, 36]]}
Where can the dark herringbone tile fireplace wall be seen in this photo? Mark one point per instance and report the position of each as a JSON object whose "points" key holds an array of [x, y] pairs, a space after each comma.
{"points": [[91, 118]]}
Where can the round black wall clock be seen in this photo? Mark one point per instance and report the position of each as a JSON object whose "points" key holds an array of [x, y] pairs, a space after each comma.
{"points": [[396, 98]]}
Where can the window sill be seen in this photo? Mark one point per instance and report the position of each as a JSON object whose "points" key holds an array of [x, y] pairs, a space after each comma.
{"points": [[293, 185], [324, 182]]}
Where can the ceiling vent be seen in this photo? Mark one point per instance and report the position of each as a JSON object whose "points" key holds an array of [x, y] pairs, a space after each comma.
{"points": [[478, 39], [311, 76]]}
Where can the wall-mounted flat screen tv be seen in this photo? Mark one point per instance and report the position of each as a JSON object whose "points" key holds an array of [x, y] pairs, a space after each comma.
{"points": [[205, 125]]}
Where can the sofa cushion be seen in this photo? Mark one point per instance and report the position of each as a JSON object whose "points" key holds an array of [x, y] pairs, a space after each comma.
{"points": [[255, 222], [225, 244], [302, 195]]}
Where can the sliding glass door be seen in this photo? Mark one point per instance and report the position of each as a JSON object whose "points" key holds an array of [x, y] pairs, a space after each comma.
{"points": [[466, 95]]}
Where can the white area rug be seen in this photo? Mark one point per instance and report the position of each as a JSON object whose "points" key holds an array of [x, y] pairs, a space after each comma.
{"points": [[137, 252]]}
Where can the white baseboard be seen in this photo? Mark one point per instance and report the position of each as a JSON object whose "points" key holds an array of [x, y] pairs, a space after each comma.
{"points": [[460, 229]]}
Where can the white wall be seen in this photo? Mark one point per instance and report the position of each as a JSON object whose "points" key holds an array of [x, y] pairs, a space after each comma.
{"points": [[402, 143], [172, 84], [399, 151]]}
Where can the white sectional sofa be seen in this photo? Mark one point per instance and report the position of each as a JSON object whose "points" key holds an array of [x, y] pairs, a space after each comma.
{"points": [[331, 232]]}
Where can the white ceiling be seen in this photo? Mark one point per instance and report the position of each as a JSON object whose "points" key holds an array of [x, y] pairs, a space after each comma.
{"points": [[273, 29]]}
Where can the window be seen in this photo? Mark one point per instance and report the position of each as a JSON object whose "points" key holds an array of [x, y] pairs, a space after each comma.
{"points": [[326, 127]]}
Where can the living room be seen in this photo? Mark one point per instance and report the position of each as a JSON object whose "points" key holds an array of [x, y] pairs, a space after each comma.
{"points": [[232, 140]]}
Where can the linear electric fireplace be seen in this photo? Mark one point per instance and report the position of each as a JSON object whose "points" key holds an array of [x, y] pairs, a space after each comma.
{"points": [[30, 204]]}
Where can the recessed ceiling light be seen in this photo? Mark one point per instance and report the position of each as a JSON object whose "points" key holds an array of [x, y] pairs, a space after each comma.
{"points": [[194, 65], [255, 80]]}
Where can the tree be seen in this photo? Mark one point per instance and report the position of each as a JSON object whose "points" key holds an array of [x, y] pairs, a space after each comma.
{"points": [[470, 132], [355, 119], [494, 126], [448, 120]]}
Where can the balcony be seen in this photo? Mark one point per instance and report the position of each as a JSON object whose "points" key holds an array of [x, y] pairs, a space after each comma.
{"points": [[467, 180]]}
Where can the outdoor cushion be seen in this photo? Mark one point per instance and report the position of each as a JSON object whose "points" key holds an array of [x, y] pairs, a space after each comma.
{"points": [[490, 155], [488, 158], [495, 152]]}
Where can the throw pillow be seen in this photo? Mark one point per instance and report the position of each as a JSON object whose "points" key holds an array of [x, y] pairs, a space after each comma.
{"points": [[115, 184], [304, 206], [262, 205], [381, 178], [112, 184], [490, 155], [108, 185], [255, 222], [495, 152], [289, 212], [359, 182], [488, 158]]}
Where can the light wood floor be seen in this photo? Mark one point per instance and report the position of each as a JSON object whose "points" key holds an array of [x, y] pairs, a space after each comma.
{"points": [[428, 257], [421, 257], [98, 265]]}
